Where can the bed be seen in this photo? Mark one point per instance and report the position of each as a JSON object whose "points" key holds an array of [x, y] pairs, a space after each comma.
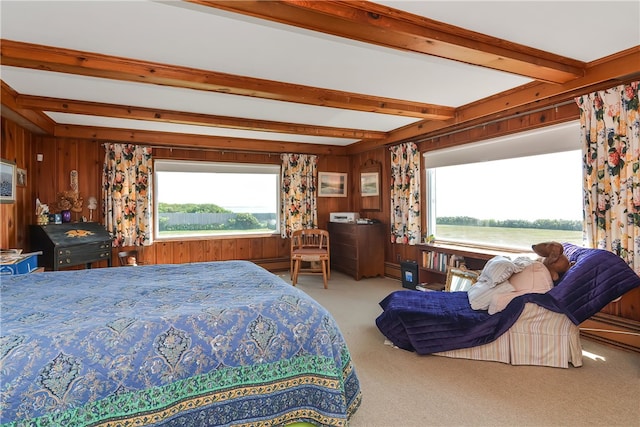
{"points": [[537, 328], [202, 344]]}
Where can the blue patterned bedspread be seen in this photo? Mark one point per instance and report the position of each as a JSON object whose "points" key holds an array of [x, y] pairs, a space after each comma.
{"points": [[204, 344]]}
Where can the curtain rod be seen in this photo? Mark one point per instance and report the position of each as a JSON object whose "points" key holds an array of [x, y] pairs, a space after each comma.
{"points": [[200, 149], [217, 150], [562, 104]]}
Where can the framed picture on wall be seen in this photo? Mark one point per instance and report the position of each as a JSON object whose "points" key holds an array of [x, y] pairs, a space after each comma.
{"points": [[332, 184], [370, 172], [369, 184], [7, 181], [21, 177]]}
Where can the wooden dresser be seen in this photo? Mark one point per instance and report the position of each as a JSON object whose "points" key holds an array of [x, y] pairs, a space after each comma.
{"points": [[69, 244], [357, 249]]}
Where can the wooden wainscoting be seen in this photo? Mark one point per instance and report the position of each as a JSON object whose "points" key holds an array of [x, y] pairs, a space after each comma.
{"points": [[612, 330], [392, 270], [271, 252]]}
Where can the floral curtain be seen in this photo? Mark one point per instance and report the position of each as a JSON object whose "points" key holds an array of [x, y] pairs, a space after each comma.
{"points": [[298, 204], [127, 194], [610, 135], [405, 194]]}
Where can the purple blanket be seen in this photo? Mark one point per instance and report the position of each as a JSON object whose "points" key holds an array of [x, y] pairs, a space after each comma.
{"points": [[429, 322]]}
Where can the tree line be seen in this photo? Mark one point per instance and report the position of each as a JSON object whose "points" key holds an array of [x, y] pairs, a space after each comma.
{"points": [[241, 221], [544, 224], [191, 208]]}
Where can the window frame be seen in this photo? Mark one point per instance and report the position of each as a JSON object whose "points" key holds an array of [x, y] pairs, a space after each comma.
{"points": [[547, 140], [205, 166]]}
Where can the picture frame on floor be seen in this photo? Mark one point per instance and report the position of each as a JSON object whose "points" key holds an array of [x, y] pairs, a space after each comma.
{"points": [[460, 280]]}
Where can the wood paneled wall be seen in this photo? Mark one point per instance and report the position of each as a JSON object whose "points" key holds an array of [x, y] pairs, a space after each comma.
{"points": [[15, 217], [59, 156], [394, 253], [62, 155], [53, 174]]}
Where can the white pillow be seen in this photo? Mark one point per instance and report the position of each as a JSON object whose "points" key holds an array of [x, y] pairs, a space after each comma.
{"points": [[497, 270], [523, 262], [481, 293], [535, 278]]}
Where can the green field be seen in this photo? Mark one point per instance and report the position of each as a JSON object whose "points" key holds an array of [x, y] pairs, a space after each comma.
{"points": [[503, 236], [187, 233]]}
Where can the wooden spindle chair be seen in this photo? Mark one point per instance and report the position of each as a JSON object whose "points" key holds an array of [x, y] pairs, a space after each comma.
{"points": [[310, 246]]}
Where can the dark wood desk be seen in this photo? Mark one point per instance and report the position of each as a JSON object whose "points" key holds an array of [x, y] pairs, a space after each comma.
{"points": [[70, 244]]}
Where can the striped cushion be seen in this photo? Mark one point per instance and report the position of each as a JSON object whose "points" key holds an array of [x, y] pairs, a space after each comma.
{"points": [[539, 337]]}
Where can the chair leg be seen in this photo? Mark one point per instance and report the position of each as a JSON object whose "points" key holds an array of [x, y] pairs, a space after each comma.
{"points": [[325, 268], [296, 269]]}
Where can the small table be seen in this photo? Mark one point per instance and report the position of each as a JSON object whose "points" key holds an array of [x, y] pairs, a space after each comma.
{"points": [[18, 264], [70, 244]]}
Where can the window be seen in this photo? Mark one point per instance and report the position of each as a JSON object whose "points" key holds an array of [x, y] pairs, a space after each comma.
{"points": [[512, 192], [209, 199]]}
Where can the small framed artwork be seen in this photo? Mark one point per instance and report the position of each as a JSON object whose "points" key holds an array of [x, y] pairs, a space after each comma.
{"points": [[21, 177], [370, 173], [460, 280], [332, 184], [7, 181], [369, 186]]}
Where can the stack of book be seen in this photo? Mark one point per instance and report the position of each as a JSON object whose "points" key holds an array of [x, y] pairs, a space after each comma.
{"points": [[435, 260]]}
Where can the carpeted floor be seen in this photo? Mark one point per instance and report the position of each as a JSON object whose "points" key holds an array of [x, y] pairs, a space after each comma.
{"points": [[401, 388]]}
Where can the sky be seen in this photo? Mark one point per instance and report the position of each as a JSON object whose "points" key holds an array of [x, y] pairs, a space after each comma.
{"points": [[179, 187], [524, 190]]}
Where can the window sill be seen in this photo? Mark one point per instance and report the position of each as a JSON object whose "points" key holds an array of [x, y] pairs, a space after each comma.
{"points": [[192, 237], [445, 246]]}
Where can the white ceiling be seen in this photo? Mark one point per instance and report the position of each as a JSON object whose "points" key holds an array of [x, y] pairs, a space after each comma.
{"points": [[189, 35]]}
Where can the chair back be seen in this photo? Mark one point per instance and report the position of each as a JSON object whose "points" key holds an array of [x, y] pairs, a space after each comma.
{"points": [[128, 257], [312, 238]]}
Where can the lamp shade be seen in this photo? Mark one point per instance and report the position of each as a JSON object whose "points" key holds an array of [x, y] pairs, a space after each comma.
{"points": [[92, 203]]}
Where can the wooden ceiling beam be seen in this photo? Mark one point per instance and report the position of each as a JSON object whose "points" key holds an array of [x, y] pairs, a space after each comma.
{"points": [[39, 57], [168, 116], [385, 26], [204, 142], [602, 74], [35, 121]]}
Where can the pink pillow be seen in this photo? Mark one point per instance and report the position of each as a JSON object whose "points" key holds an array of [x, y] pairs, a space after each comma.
{"points": [[535, 278]]}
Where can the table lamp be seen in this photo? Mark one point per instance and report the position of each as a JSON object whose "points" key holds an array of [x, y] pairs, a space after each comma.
{"points": [[92, 204]]}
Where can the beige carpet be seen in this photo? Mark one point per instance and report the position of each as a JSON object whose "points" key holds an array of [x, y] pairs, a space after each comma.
{"points": [[401, 388]]}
